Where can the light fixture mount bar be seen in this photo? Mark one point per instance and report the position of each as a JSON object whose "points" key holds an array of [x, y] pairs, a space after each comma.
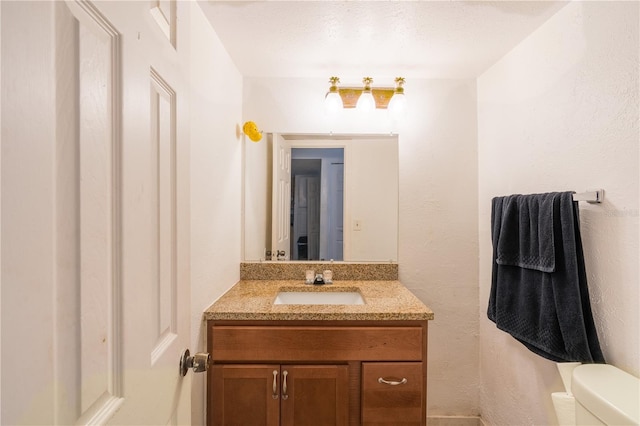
{"points": [[350, 96]]}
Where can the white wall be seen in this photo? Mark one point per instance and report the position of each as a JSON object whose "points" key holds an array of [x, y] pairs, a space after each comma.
{"points": [[216, 165], [257, 187], [560, 112], [438, 238], [371, 191]]}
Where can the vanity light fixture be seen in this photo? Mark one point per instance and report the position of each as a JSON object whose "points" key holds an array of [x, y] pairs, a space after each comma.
{"points": [[398, 103], [366, 98], [332, 100], [366, 103]]}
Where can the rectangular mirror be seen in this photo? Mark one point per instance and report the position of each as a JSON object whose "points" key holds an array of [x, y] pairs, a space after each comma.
{"points": [[321, 197]]}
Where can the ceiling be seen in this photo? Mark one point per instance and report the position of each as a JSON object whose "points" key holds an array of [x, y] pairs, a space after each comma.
{"points": [[353, 39]]}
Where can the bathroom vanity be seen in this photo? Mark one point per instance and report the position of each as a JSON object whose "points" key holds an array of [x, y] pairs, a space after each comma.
{"points": [[302, 363]]}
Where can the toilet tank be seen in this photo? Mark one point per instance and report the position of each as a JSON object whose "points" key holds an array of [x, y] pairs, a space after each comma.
{"points": [[605, 395]]}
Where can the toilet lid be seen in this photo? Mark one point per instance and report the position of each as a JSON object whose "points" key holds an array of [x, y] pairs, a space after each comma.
{"points": [[607, 392]]}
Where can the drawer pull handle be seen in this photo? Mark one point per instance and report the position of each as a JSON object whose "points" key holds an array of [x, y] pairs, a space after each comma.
{"points": [[284, 384], [392, 382], [275, 384]]}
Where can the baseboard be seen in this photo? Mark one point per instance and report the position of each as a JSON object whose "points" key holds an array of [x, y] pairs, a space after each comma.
{"points": [[454, 421]]}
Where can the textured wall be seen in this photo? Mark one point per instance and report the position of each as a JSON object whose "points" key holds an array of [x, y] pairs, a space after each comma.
{"points": [[438, 238], [560, 112], [438, 243], [215, 181]]}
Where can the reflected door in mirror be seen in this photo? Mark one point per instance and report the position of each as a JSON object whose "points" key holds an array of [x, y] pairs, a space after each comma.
{"points": [[281, 227], [317, 203]]}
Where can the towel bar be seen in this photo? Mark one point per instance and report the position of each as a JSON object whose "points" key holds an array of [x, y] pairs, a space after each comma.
{"points": [[594, 196]]}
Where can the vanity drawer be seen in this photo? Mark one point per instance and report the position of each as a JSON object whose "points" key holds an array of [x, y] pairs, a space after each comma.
{"points": [[399, 401], [313, 343]]}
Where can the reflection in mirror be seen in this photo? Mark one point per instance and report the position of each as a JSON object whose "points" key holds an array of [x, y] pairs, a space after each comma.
{"points": [[317, 176], [358, 171]]}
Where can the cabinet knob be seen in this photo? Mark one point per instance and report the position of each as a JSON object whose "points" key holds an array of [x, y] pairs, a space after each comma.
{"points": [[392, 382], [199, 362]]}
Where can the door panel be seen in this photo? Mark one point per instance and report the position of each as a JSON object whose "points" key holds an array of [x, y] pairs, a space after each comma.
{"points": [[281, 221], [164, 14], [99, 212], [163, 196], [315, 395], [244, 395], [313, 217], [336, 240], [89, 237]]}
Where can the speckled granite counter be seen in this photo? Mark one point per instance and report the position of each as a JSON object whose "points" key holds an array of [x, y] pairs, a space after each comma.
{"points": [[253, 300], [355, 271]]}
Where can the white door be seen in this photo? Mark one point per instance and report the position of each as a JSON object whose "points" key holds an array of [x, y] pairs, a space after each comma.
{"points": [[306, 218], [299, 230], [336, 215], [281, 208], [95, 210], [313, 217]]}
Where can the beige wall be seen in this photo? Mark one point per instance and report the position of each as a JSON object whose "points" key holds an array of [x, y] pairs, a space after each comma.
{"points": [[438, 238], [216, 162], [560, 112]]}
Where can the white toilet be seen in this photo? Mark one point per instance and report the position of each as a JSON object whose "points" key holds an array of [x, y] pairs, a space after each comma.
{"points": [[605, 395]]}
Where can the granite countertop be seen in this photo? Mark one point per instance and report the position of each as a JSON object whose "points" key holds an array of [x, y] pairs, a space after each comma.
{"points": [[253, 300]]}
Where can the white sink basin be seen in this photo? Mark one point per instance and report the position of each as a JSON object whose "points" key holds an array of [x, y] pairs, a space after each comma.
{"points": [[319, 298]]}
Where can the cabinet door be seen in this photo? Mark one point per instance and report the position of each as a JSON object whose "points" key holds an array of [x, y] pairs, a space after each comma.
{"points": [[315, 395], [245, 395], [393, 393]]}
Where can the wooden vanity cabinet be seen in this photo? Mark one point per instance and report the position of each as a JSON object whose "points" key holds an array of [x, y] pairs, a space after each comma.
{"points": [[337, 373], [272, 395]]}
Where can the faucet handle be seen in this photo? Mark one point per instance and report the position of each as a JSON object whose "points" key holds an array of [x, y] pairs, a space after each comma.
{"points": [[309, 276]]}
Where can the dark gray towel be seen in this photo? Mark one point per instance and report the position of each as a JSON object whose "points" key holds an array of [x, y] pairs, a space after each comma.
{"points": [[549, 312], [526, 232]]}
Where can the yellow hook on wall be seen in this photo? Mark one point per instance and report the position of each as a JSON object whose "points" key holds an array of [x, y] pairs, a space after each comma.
{"points": [[251, 130]]}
